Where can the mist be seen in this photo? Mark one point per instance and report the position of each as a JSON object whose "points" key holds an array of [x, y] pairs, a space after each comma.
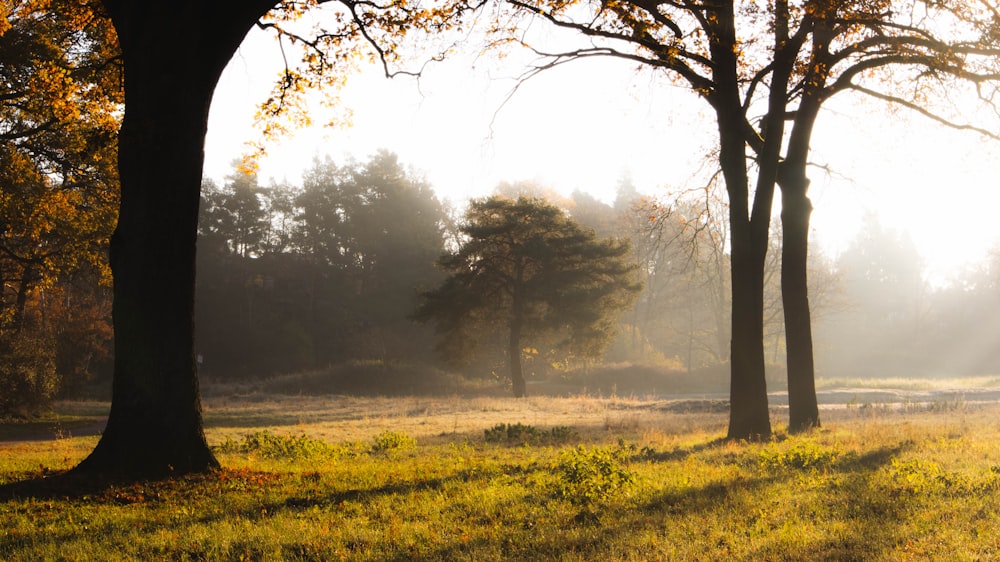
{"points": [[313, 286]]}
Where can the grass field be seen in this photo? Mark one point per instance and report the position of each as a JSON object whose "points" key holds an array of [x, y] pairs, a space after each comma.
{"points": [[488, 478]]}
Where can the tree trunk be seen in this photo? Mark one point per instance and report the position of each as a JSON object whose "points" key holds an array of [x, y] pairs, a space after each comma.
{"points": [[517, 383], [174, 53], [21, 302], [749, 417], [803, 409], [748, 412]]}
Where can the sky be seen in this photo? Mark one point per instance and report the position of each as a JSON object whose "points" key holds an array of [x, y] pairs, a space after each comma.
{"points": [[585, 125]]}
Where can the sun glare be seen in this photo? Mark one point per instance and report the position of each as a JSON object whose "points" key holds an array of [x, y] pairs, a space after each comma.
{"points": [[569, 131]]}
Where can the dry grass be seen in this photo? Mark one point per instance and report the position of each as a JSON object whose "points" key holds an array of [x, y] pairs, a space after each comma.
{"points": [[337, 418]]}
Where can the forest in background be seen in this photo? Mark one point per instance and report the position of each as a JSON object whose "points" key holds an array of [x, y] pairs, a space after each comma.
{"points": [[304, 277], [327, 274]]}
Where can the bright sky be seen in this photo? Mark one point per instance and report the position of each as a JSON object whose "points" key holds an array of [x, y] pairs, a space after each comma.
{"points": [[584, 125]]}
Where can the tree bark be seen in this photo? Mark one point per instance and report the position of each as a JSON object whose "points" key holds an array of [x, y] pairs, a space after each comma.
{"points": [[803, 408], [796, 211], [518, 386], [749, 417], [748, 412], [174, 53]]}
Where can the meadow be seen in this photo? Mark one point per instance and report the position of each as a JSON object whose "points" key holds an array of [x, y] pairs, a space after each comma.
{"points": [[580, 477]]}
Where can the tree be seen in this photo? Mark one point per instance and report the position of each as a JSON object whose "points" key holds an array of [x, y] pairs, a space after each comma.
{"points": [[155, 425], [766, 70], [58, 193], [526, 266], [683, 252], [301, 278], [237, 213], [380, 229], [887, 329]]}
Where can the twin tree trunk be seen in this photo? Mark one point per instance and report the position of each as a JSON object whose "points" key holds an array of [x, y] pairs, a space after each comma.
{"points": [[796, 210], [174, 53]]}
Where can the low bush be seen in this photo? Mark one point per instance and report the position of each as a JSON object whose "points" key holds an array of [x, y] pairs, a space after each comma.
{"points": [[592, 476], [799, 455], [286, 447], [265, 444], [392, 441], [521, 434]]}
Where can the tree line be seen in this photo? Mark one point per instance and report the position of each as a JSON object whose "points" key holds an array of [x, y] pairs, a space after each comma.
{"points": [[300, 278], [304, 277]]}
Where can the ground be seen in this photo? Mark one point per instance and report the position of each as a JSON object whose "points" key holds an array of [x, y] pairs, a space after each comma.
{"points": [[587, 477]]}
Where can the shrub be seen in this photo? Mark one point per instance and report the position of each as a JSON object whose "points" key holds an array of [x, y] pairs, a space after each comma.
{"points": [[28, 377], [521, 434], [392, 440], [511, 433], [918, 477], [801, 455], [561, 434], [268, 445], [591, 476]]}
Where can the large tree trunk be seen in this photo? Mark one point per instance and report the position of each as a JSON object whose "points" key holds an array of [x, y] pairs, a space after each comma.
{"points": [[803, 409], [174, 53]]}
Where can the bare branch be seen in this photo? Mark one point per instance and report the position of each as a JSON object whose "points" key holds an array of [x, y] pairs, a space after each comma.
{"points": [[668, 57], [925, 112]]}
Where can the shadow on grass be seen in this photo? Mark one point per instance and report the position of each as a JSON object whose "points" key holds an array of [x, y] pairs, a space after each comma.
{"points": [[68, 485], [735, 512], [50, 430], [679, 453], [871, 519]]}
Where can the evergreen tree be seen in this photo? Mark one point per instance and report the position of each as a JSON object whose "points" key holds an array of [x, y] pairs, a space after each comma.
{"points": [[524, 265]]}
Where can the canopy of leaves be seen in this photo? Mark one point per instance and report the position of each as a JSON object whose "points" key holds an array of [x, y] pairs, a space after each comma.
{"points": [[60, 109], [59, 115], [902, 51]]}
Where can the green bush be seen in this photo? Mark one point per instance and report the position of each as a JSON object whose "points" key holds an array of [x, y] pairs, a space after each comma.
{"points": [[392, 441], [521, 434], [511, 433], [28, 377], [800, 455], [919, 477], [592, 476], [287, 447]]}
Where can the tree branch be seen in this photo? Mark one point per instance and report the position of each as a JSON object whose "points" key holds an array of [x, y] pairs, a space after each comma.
{"points": [[924, 111]]}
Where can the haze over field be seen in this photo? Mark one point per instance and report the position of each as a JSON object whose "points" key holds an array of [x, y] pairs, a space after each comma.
{"points": [[585, 125]]}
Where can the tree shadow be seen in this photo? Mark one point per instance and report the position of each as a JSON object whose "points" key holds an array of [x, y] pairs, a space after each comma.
{"points": [[67, 485], [875, 518], [679, 453]]}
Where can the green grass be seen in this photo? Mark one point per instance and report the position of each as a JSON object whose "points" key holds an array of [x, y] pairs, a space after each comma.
{"points": [[425, 483]]}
